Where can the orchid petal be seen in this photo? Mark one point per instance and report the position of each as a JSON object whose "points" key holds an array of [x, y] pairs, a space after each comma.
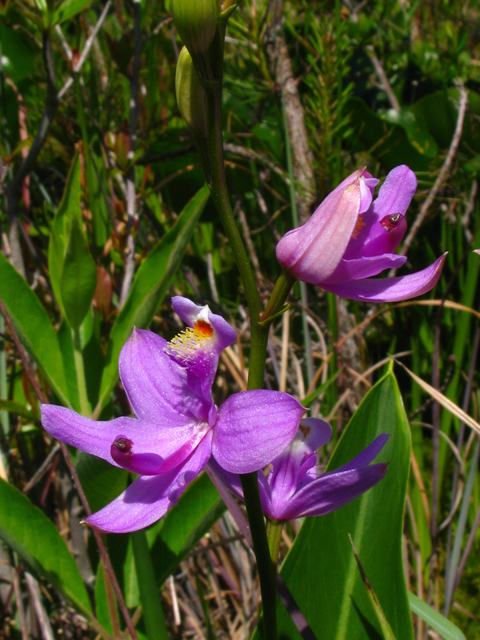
{"points": [[312, 434], [97, 437], [359, 268], [157, 388], [253, 428], [150, 497], [390, 289], [383, 238], [330, 492], [367, 456], [224, 334], [198, 348], [396, 193], [313, 251]]}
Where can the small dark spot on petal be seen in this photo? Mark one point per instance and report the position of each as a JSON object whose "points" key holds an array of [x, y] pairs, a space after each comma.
{"points": [[123, 444], [390, 222]]}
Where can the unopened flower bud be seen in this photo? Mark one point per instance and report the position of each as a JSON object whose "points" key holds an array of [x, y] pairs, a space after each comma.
{"points": [[196, 22], [191, 97], [349, 239]]}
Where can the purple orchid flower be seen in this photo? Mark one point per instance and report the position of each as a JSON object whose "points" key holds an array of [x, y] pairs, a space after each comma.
{"points": [[177, 428], [293, 489], [349, 238]]}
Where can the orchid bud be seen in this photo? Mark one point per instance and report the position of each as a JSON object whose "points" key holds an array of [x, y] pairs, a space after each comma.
{"points": [[196, 22], [349, 239], [313, 251], [191, 97]]}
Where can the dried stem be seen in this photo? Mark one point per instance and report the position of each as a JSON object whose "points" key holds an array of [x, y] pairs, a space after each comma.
{"points": [[86, 50]]}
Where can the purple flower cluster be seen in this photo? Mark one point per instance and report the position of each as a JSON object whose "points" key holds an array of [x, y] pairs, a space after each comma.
{"points": [[177, 428]]}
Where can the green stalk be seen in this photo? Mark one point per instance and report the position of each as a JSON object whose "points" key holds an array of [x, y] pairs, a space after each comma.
{"points": [[259, 334], [154, 619], [274, 536], [211, 155], [85, 408]]}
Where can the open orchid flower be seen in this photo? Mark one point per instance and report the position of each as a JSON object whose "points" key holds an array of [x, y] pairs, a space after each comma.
{"points": [[349, 239], [177, 426], [293, 488]]}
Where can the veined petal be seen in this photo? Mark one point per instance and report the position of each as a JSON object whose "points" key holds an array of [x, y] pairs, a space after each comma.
{"points": [[359, 268], [367, 456], [253, 428], [97, 437], [396, 193], [149, 498], [332, 491], [172, 449], [312, 252], [312, 434], [157, 387], [390, 289]]}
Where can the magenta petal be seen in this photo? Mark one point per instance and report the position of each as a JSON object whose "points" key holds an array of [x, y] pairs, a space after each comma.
{"points": [[367, 456], [396, 192], [312, 434], [390, 289], [312, 252], [253, 428], [383, 238], [147, 464], [349, 270], [189, 312], [330, 492], [156, 386], [97, 437], [150, 497]]}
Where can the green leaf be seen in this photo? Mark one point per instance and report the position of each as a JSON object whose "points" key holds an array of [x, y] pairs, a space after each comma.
{"points": [[34, 328], [372, 596], [102, 482], [320, 569], [19, 410], [29, 532], [149, 594], [416, 129], [69, 207], [149, 288], [18, 58], [434, 619], [173, 537], [79, 277], [69, 8], [385, 142], [101, 601]]}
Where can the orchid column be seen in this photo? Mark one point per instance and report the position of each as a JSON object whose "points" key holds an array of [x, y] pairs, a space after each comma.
{"points": [[201, 25]]}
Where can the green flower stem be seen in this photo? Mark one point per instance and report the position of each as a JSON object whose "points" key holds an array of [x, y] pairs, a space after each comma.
{"points": [[279, 295], [85, 409], [211, 155], [274, 536], [218, 188]]}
